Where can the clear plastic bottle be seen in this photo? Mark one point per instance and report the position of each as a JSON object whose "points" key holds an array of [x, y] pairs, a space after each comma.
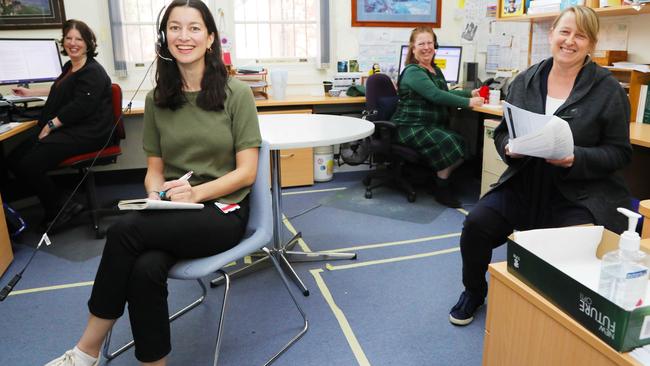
{"points": [[624, 272]]}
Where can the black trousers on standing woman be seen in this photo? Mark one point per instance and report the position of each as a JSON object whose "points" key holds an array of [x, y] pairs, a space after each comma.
{"points": [[140, 249]]}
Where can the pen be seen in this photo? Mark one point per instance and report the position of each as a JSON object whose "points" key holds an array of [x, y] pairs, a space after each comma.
{"points": [[186, 176]]}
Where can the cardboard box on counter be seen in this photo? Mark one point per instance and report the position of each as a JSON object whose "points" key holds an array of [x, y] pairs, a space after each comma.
{"points": [[563, 265]]}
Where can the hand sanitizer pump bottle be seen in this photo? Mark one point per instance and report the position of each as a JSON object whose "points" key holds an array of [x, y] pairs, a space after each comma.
{"points": [[624, 272]]}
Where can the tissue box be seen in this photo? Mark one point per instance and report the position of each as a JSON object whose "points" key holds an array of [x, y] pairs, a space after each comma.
{"points": [[564, 266]]}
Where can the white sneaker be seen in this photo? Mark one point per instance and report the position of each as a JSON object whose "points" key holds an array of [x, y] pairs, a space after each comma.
{"points": [[72, 358]]}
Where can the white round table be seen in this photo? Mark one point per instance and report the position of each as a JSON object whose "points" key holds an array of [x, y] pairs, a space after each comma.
{"points": [[289, 131]]}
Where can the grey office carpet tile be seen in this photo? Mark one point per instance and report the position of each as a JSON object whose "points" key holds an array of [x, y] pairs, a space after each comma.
{"points": [[386, 202]]}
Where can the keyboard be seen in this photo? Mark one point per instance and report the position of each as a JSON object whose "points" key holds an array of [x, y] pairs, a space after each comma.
{"points": [[18, 99]]}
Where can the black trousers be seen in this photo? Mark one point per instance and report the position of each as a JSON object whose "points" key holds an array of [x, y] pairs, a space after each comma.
{"points": [[32, 159], [140, 249], [495, 217]]}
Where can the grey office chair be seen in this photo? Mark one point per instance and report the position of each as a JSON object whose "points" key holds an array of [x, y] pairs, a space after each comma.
{"points": [[259, 233]]}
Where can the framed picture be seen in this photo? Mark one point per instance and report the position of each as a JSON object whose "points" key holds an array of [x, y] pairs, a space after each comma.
{"points": [[31, 14], [510, 8], [396, 13]]}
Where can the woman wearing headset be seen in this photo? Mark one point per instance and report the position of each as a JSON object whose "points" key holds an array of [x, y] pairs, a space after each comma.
{"points": [[196, 119]]}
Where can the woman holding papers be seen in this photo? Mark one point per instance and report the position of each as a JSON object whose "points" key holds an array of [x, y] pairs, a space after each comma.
{"points": [[582, 187], [76, 119], [196, 119], [422, 115]]}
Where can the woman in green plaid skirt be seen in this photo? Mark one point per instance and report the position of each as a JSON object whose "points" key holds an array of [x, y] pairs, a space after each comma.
{"points": [[422, 114]]}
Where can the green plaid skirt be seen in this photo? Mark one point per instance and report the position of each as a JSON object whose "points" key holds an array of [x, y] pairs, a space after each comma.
{"points": [[439, 146]]}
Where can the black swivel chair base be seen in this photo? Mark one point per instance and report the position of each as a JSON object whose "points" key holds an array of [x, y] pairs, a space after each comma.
{"points": [[226, 279], [390, 176]]}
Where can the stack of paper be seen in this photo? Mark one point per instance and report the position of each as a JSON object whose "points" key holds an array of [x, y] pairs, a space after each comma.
{"points": [[539, 135]]}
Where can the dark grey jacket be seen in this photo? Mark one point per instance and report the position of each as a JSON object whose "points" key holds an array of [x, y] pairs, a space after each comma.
{"points": [[598, 113]]}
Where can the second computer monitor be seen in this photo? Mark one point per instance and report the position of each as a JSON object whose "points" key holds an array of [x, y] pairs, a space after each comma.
{"points": [[28, 61], [447, 58]]}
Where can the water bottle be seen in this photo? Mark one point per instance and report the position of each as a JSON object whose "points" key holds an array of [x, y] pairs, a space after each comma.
{"points": [[624, 272]]}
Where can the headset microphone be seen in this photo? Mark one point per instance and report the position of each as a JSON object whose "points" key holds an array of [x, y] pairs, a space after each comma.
{"points": [[161, 42]]}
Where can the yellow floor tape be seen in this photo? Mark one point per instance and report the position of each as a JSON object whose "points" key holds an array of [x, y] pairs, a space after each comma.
{"points": [[340, 317]]}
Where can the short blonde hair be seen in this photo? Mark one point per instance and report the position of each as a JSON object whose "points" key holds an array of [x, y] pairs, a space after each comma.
{"points": [[586, 20]]}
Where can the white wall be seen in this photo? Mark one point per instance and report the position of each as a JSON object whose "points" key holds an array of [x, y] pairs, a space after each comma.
{"points": [[303, 79]]}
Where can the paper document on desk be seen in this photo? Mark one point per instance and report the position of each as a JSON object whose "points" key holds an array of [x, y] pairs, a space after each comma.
{"points": [[8, 126], [147, 204], [538, 135]]}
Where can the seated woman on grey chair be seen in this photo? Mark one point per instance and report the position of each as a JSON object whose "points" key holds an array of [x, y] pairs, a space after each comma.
{"points": [[422, 115], [196, 119]]}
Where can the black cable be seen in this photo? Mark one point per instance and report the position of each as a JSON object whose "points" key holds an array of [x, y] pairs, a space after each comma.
{"points": [[10, 286]]}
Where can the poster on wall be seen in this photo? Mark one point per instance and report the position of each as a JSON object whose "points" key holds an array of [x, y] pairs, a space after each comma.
{"points": [[31, 14], [396, 13]]}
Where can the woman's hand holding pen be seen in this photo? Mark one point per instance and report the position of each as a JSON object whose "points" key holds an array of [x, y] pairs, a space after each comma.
{"points": [[178, 190]]}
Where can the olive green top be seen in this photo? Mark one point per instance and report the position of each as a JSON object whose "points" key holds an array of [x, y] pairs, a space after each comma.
{"points": [[205, 142]]}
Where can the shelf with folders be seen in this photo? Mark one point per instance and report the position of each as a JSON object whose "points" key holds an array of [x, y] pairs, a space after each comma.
{"points": [[603, 12], [257, 82]]}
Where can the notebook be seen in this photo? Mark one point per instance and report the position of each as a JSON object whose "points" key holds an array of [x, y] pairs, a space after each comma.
{"points": [[147, 204]]}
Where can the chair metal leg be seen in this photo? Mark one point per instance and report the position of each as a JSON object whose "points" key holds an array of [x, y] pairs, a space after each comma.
{"points": [[305, 323], [223, 315], [246, 270], [111, 355]]}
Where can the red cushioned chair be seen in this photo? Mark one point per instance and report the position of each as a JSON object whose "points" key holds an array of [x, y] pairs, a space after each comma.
{"points": [[84, 162]]}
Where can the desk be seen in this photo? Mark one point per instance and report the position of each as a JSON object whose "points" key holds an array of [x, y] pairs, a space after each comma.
{"points": [[6, 255], [290, 131], [487, 109], [316, 104], [523, 328]]}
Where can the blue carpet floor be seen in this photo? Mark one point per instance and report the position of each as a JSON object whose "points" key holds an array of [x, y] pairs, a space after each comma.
{"points": [[388, 307]]}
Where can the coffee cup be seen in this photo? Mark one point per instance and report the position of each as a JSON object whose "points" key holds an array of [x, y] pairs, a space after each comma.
{"points": [[327, 86]]}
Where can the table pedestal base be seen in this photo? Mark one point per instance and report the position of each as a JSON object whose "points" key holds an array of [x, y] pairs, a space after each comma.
{"points": [[285, 256]]}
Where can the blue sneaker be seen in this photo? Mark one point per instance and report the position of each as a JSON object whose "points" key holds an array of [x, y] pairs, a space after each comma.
{"points": [[463, 312]]}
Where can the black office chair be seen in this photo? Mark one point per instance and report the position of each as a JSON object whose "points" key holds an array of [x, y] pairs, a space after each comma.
{"points": [[381, 102]]}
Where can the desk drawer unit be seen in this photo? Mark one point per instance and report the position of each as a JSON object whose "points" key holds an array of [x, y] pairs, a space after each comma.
{"points": [[493, 166], [296, 165]]}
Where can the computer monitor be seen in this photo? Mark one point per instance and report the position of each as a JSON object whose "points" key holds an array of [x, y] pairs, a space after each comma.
{"points": [[447, 59], [26, 61]]}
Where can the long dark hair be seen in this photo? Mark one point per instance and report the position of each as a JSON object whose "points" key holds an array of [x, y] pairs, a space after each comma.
{"points": [[168, 92], [86, 34]]}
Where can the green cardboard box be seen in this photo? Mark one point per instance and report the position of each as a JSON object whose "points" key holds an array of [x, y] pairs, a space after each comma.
{"points": [[564, 266]]}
